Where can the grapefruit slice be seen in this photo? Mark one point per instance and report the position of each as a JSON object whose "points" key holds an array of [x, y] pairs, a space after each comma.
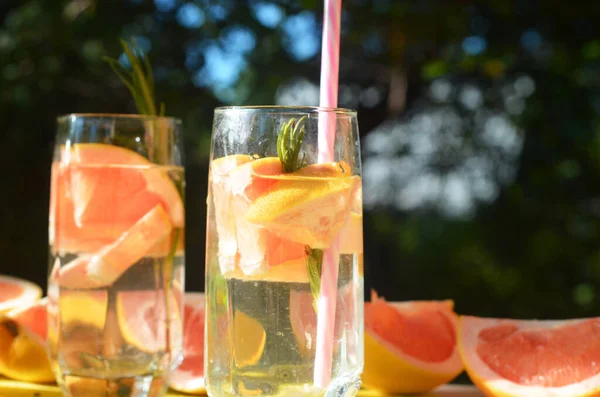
{"points": [[99, 191], [22, 344], [410, 347], [189, 376], [107, 265], [141, 316], [249, 338], [258, 248], [532, 358], [16, 292], [304, 208]]}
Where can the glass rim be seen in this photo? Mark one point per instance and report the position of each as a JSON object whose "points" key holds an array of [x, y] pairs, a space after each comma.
{"points": [[287, 109], [121, 116]]}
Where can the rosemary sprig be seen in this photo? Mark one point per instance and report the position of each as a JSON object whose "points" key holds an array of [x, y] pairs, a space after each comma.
{"points": [[289, 143], [139, 80], [314, 266]]}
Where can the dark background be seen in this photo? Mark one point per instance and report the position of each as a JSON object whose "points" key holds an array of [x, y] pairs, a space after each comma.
{"points": [[480, 126]]}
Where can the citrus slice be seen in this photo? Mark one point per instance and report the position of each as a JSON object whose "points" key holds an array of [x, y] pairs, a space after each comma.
{"points": [[16, 292], [249, 339], [142, 317], [308, 210], [22, 344], [258, 248], [107, 265], [410, 347], [99, 191], [189, 376], [532, 358]]}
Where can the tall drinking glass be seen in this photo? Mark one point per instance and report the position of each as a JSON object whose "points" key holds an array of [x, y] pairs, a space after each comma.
{"points": [[116, 275], [276, 217]]}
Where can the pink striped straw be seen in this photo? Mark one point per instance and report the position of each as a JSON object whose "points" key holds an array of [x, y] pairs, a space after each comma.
{"points": [[330, 55]]}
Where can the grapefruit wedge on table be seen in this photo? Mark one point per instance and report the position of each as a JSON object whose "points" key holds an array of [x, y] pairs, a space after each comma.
{"points": [[22, 344], [16, 292], [100, 191], [410, 347], [515, 358]]}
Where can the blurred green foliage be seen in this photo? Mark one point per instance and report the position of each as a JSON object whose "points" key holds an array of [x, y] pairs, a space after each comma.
{"points": [[531, 251]]}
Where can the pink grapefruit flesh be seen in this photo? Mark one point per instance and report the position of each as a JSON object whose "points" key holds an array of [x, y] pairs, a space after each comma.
{"points": [[410, 347], [142, 317], [507, 357], [99, 191]]}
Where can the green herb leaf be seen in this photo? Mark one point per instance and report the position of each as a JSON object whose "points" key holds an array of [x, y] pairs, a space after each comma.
{"points": [[289, 143], [139, 80], [314, 264]]}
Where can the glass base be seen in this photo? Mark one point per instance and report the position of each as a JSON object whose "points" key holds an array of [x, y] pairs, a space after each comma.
{"points": [[341, 387], [134, 386]]}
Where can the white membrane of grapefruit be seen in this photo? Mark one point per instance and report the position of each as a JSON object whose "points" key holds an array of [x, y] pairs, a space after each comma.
{"points": [[470, 327], [448, 366], [30, 293]]}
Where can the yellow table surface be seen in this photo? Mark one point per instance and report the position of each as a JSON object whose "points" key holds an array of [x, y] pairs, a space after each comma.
{"points": [[11, 388]]}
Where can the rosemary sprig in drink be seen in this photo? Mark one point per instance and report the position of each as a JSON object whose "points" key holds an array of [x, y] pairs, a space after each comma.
{"points": [[289, 143], [139, 80]]}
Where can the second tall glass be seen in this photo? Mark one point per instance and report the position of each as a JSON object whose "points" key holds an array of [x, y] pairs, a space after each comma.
{"points": [[115, 288], [275, 216]]}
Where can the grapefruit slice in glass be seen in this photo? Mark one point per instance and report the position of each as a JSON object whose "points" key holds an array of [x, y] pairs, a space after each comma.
{"points": [[410, 347], [22, 344], [142, 317], [107, 265], [532, 358], [258, 248], [307, 208], [189, 376], [16, 292], [99, 191]]}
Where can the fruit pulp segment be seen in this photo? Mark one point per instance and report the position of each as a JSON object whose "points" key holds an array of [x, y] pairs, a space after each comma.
{"points": [[261, 335]]}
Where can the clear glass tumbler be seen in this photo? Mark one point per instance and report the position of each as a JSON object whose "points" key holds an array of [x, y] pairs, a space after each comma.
{"points": [[276, 217], [116, 233]]}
